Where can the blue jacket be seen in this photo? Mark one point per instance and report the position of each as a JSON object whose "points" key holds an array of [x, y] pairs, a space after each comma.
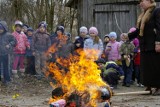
{"points": [[29, 52]]}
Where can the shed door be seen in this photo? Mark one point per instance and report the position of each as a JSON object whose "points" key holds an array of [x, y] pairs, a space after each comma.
{"points": [[118, 18]]}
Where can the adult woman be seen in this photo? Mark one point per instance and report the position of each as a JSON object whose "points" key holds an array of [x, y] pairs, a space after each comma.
{"points": [[148, 29]]}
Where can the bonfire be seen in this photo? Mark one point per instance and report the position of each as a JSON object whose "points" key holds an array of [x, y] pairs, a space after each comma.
{"points": [[77, 78]]}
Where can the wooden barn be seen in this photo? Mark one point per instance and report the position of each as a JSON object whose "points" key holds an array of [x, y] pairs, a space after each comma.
{"points": [[107, 15]]}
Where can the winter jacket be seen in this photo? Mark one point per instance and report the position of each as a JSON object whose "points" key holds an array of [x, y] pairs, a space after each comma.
{"points": [[113, 54], [22, 43], [127, 48], [137, 58], [81, 41], [6, 39], [89, 44], [29, 52], [41, 42]]}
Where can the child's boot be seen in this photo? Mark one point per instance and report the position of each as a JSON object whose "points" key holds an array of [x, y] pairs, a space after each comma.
{"points": [[22, 72], [15, 75]]}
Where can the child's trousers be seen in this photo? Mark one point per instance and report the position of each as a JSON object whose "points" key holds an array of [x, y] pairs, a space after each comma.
{"points": [[4, 61], [18, 60]]}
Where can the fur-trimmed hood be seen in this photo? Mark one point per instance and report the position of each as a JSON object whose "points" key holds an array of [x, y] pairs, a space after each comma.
{"points": [[144, 17]]}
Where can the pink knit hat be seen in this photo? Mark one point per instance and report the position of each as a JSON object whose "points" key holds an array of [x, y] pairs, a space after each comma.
{"points": [[132, 29], [93, 30]]}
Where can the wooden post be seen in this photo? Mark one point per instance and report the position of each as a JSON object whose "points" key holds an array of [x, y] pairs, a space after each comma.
{"points": [[131, 93]]}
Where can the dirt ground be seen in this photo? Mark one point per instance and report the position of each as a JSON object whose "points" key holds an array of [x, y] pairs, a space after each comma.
{"points": [[30, 92]]}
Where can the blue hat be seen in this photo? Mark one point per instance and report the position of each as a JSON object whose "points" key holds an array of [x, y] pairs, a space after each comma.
{"points": [[26, 26], [42, 24], [30, 29], [113, 34]]}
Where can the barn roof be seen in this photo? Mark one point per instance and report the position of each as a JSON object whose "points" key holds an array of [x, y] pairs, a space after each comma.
{"points": [[72, 3]]}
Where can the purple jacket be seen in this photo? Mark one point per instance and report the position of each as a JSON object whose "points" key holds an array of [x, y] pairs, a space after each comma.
{"points": [[113, 54]]}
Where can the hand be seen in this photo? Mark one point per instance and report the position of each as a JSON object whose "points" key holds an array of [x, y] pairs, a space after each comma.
{"points": [[34, 53], [50, 55], [157, 47], [108, 48], [7, 46], [28, 47], [125, 56]]}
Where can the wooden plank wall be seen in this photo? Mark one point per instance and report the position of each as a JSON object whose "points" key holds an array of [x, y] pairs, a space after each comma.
{"points": [[102, 15], [118, 18]]}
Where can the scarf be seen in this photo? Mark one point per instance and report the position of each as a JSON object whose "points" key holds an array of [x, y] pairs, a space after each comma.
{"points": [[144, 17]]}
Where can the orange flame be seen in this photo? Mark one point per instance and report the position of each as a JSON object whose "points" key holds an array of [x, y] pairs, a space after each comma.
{"points": [[78, 74]]}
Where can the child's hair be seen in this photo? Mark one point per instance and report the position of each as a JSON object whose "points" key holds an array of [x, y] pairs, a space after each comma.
{"points": [[96, 40]]}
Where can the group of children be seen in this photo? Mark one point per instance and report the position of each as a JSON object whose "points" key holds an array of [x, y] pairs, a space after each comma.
{"points": [[115, 59]]}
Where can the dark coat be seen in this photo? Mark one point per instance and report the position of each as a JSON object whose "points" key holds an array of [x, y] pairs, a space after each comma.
{"points": [[6, 39], [29, 52], [41, 42], [149, 58], [81, 41]]}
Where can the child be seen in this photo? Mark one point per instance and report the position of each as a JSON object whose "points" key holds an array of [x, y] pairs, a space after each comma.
{"points": [[136, 58], [20, 49], [106, 41], [112, 48], [93, 44], [40, 44], [79, 42], [7, 41], [122, 39], [111, 72], [30, 59], [126, 51]]}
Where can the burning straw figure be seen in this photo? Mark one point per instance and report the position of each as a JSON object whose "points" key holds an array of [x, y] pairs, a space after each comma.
{"points": [[82, 83]]}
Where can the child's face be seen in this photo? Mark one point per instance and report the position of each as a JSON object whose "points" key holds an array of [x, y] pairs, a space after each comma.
{"points": [[24, 29], [93, 35], [29, 33], [112, 39], [100, 65], [106, 39], [59, 32], [18, 28], [42, 29], [82, 34]]}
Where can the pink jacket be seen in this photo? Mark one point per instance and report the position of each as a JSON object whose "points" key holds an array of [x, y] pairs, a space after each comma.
{"points": [[22, 43], [113, 54]]}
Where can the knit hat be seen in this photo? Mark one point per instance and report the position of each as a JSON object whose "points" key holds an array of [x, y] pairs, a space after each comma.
{"points": [[30, 29], [113, 34], [60, 28], [106, 36], [100, 60], [68, 34], [25, 26], [83, 29], [18, 23], [132, 29], [42, 24], [93, 30]]}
